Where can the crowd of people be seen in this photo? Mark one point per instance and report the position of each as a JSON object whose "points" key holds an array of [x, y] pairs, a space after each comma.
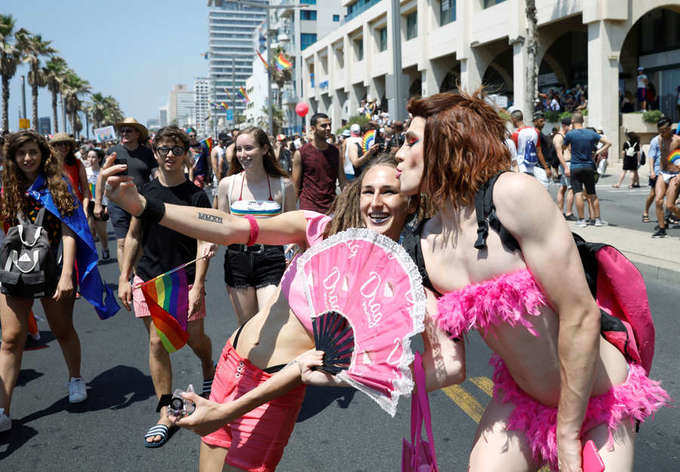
{"points": [[558, 382]]}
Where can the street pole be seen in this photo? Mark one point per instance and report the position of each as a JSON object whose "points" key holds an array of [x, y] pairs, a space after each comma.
{"points": [[270, 105], [233, 93], [398, 111], [23, 96]]}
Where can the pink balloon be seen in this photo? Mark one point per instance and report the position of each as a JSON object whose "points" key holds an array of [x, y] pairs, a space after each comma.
{"points": [[301, 109]]}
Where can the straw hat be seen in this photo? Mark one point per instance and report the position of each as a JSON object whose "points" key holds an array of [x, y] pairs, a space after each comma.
{"points": [[63, 138], [131, 122]]}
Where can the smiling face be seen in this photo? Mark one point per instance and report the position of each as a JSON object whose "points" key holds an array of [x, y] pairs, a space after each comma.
{"points": [[248, 152], [28, 158], [384, 209], [411, 157], [93, 159]]}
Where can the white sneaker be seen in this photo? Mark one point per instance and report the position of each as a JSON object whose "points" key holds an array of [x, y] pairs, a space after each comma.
{"points": [[581, 223], [77, 392], [600, 222], [5, 421]]}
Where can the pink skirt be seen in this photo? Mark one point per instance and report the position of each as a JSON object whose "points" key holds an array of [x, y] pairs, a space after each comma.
{"points": [[635, 399]]}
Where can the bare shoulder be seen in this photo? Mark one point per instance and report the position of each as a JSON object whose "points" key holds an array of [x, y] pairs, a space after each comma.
{"points": [[522, 202], [675, 142]]}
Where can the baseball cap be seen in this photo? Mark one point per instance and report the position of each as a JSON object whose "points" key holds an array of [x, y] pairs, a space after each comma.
{"points": [[355, 128], [640, 68], [346, 133]]}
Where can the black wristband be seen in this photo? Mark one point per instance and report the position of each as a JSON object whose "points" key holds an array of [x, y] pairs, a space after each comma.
{"points": [[154, 211]]}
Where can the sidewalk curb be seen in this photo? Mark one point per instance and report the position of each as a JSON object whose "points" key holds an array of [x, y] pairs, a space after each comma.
{"points": [[660, 274]]}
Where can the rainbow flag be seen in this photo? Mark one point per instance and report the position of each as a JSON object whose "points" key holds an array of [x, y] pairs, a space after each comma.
{"points": [[168, 299], [207, 143], [243, 94], [226, 90], [224, 105], [264, 61], [282, 63], [369, 139], [674, 157], [91, 191]]}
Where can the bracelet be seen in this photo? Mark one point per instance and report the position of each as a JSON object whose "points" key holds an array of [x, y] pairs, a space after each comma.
{"points": [[254, 230], [153, 211]]}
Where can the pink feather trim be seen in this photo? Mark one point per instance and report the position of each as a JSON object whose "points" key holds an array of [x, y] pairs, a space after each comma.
{"points": [[507, 298], [635, 399]]}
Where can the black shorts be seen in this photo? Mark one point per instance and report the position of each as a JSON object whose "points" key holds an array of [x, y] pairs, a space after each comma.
{"points": [[583, 177], [652, 181], [120, 220], [255, 266]]}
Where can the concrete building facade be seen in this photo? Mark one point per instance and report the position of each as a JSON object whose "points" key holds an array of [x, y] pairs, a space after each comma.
{"points": [[202, 112], [467, 43], [231, 27], [181, 106]]}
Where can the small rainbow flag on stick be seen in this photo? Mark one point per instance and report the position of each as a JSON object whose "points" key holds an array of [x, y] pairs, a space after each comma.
{"points": [[168, 299], [207, 143], [243, 94], [282, 63], [224, 105], [264, 61]]}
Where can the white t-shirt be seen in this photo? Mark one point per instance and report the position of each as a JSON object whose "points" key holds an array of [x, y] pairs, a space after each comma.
{"points": [[555, 105], [521, 137], [642, 81], [510, 144], [349, 142]]}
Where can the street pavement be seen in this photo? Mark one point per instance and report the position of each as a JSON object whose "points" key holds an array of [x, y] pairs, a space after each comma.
{"points": [[338, 429]]}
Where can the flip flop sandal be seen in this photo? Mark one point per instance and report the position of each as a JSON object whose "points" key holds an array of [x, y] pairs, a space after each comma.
{"points": [[645, 218], [161, 430]]}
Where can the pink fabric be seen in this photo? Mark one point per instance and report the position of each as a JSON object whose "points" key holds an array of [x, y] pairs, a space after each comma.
{"points": [[291, 284], [507, 298], [142, 309], [635, 399], [256, 440]]}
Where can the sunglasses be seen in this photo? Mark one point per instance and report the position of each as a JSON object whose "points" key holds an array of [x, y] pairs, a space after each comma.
{"points": [[126, 130], [176, 150]]}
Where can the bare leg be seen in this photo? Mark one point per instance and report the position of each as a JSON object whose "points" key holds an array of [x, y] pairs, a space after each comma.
{"points": [[623, 176], [497, 449], [244, 301], [579, 205], [14, 322], [594, 204], [620, 457], [570, 202], [672, 196], [60, 318], [560, 197], [649, 201], [635, 179], [120, 246], [100, 227], [161, 371], [265, 294], [660, 193], [211, 458], [200, 343]]}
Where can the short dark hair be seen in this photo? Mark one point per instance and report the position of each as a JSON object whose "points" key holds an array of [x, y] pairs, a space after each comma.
{"points": [[566, 121], [517, 114], [174, 133], [316, 117], [663, 121], [539, 115], [577, 117]]}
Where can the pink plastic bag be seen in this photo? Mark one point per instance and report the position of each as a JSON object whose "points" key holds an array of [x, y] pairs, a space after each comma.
{"points": [[419, 455]]}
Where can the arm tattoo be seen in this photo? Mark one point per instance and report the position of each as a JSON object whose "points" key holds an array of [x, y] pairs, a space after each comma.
{"points": [[210, 218]]}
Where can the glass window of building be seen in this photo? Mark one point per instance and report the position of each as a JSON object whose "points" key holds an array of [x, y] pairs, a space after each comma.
{"points": [[490, 3], [336, 18], [307, 39], [309, 15], [359, 49], [411, 25], [308, 2], [447, 12], [382, 39]]}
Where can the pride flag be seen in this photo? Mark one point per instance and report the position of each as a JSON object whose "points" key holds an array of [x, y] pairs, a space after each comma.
{"points": [[243, 94], [674, 157], [168, 299], [264, 61], [369, 139], [207, 143], [282, 63], [224, 105]]}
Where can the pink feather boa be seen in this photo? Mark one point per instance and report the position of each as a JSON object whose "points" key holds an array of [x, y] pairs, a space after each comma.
{"points": [[635, 399], [507, 298]]}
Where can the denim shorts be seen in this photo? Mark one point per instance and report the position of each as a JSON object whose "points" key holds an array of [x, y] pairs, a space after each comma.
{"points": [[120, 220], [253, 266]]}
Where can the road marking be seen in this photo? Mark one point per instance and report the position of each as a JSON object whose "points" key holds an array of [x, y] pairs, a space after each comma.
{"points": [[485, 384], [465, 401]]}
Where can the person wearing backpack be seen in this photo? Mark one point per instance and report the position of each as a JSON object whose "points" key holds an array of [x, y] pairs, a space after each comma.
{"points": [[630, 153], [558, 382], [36, 195], [529, 152]]}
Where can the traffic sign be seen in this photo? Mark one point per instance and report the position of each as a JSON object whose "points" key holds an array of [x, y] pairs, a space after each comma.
{"points": [[24, 123]]}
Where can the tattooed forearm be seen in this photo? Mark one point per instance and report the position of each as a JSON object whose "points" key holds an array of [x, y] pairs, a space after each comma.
{"points": [[210, 218]]}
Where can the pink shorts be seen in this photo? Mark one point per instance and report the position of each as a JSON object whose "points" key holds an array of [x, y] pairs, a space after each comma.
{"points": [[255, 441], [142, 309], [635, 399]]}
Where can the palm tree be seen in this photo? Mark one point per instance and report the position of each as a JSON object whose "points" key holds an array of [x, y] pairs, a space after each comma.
{"points": [[74, 86], [10, 57], [53, 73], [112, 112], [33, 48], [280, 77], [97, 109]]}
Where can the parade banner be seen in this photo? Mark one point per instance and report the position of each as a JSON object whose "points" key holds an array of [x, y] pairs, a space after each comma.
{"points": [[107, 133]]}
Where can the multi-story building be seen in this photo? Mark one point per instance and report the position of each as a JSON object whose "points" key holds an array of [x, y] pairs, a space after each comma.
{"points": [[231, 51], [447, 43], [202, 112], [163, 116], [181, 106], [44, 125]]}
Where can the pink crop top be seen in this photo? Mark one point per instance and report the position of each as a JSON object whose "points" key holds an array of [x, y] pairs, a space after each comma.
{"points": [[291, 284], [507, 298]]}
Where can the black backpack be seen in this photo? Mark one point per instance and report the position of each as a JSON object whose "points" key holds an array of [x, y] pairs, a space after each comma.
{"points": [[28, 267]]}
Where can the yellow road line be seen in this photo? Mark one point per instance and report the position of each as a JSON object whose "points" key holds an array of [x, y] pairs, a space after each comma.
{"points": [[485, 384], [465, 402]]}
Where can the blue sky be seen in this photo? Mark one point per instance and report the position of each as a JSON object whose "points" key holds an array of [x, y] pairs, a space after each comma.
{"points": [[135, 50]]}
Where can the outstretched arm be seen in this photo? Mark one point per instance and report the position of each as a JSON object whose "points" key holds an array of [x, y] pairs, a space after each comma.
{"points": [[568, 293]]}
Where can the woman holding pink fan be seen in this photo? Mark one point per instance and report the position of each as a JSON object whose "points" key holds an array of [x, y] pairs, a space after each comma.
{"points": [[522, 286], [336, 265]]}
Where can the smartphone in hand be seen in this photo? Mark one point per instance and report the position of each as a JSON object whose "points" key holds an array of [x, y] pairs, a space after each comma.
{"points": [[121, 160], [592, 462]]}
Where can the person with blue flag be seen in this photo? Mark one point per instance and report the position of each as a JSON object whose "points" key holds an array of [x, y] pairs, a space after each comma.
{"points": [[33, 181]]}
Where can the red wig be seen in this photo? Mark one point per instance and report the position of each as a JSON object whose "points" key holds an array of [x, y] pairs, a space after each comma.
{"points": [[464, 146]]}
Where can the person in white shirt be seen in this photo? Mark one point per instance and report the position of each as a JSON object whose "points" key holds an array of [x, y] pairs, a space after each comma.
{"points": [[642, 82]]}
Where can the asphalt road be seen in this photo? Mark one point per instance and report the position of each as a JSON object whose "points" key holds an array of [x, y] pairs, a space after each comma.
{"points": [[338, 429]]}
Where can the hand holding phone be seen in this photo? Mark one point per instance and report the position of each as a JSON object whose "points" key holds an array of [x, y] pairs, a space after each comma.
{"points": [[592, 462], [119, 161]]}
